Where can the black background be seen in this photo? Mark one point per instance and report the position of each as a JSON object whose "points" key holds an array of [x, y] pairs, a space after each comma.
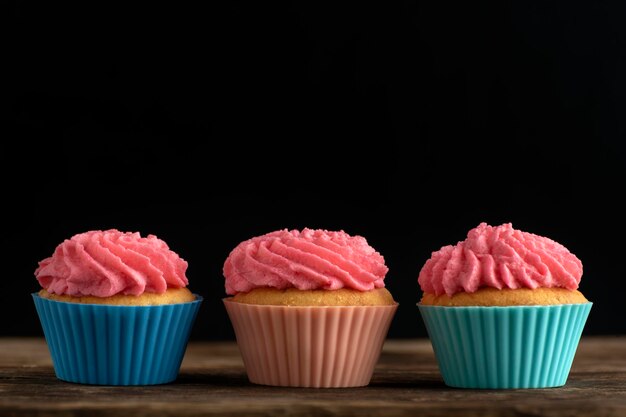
{"points": [[408, 123]]}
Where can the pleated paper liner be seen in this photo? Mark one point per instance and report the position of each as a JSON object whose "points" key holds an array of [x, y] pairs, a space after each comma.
{"points": [[505, 347], [116, 345], [310, 346]]}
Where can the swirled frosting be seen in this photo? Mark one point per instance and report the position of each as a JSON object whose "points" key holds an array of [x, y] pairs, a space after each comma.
{"points": [[500, 257], [306, 260], [105, 263]]}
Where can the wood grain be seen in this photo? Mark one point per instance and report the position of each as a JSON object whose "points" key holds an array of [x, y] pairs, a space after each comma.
{"points": [[406, 383]]}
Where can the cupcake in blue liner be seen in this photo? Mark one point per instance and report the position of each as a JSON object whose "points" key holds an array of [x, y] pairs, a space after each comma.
{"points": [[115, 309], [502, 309]]}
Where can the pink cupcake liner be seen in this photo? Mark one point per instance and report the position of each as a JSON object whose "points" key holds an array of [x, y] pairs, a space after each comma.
{"points": [[320, 347]]}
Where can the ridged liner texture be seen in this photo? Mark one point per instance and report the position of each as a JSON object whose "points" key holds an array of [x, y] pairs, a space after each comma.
{"points": [[321, 347], [116, 345], [505, 347]]}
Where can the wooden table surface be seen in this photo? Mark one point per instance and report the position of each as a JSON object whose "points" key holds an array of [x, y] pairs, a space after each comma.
{"points": [[406, 383]]}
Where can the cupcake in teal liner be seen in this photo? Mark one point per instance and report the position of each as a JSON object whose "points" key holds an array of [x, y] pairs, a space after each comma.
{"points": [[115, 309], [503, 310]]}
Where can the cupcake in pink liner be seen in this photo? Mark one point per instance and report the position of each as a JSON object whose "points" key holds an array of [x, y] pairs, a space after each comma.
{"points": [[503, 310], [115, 309], [309, 308]]}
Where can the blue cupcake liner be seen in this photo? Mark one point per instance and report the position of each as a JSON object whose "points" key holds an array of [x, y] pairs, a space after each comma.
{"points": [[116, 345], [505, 347]]}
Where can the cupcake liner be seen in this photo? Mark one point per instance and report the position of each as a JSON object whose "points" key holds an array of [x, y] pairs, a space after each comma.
{"points": [[317, 347], [116, 345], [505, 347]]}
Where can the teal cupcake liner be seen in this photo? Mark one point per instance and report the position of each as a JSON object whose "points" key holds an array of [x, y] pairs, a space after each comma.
{"points": [[505, 347], [116, 345]]}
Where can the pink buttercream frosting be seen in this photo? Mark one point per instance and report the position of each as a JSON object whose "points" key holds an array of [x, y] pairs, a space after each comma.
{"points": [[500, 257], [306, 260], [105, 263]]}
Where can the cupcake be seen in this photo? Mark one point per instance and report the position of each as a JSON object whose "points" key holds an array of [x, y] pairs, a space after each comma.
{"points": [[115, 309], [502, 309], [309, 308]]}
